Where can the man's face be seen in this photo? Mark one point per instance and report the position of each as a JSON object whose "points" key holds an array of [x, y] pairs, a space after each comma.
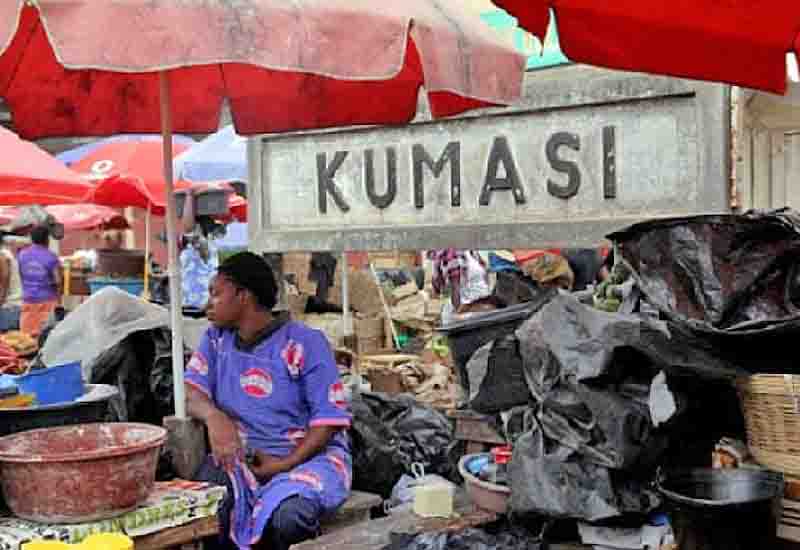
{"points": [[225, 302]]}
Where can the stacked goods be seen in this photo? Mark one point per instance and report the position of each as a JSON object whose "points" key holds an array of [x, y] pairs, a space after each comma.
{"points": [[22, 343]]}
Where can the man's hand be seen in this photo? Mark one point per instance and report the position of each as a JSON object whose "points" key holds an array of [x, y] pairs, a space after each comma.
{"points": [[226, 445], [265, 466]]}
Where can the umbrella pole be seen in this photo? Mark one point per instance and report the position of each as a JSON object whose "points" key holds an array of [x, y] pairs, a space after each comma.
{"points": [[175, 299], [146, 293], [347, 321]]}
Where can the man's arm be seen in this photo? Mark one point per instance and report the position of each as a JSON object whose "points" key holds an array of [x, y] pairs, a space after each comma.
{"points": [[316, 440], [223, 435], [58, 278]]}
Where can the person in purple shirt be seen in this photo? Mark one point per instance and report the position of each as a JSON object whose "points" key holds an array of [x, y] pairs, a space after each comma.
{"points": [[40, 272], [269, 393]]}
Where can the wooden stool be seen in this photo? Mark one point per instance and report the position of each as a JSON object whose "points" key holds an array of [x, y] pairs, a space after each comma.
{"points": [[355, 510]]}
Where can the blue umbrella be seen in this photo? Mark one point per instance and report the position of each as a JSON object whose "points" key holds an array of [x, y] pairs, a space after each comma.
{"points": [[72, 156], [220, 157]]}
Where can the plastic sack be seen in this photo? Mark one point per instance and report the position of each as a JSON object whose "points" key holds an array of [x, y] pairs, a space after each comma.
{"points": [[505, 538], [100, 323], [567, 340], [724, 272], [550, 479], [389, 434], [496, 377], [403, 493], [604, 427]]}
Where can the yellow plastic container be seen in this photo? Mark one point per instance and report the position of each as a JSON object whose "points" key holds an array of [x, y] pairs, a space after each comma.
{"points": [[100, 541], [46, 545], [106, 541]]}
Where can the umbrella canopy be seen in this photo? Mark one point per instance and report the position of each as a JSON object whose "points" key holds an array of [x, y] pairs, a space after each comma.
{"points": [[282, 64], [743, 43], [98, 68], [74, 217], [222, 156], [129, 174], [72, 156], [29, 175]]}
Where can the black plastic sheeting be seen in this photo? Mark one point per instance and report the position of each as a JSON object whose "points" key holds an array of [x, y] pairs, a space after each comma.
{"points": [[499, 538], [389, 434], [728, 285], [550, 479]]}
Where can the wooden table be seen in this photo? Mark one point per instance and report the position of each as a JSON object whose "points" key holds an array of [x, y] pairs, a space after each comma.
{"points": [[190, 534]]}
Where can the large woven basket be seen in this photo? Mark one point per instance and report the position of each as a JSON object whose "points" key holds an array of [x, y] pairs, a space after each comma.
{"points": [[771, 404]]}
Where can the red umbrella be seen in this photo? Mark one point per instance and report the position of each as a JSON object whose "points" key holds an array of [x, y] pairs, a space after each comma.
{"points": [[283, 64], [87, 217], [29, 175], [74, 217], [130, 174], [736, 42], [110, 67]]}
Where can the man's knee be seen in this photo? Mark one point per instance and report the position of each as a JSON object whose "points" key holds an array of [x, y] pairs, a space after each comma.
{"points": [[296, 519]]}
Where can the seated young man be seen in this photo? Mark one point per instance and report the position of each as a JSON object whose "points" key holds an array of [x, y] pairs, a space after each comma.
{"points": [[269, 393]]}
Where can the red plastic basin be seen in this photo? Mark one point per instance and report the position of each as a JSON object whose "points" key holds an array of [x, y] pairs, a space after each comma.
{"points": [[79, 473]]}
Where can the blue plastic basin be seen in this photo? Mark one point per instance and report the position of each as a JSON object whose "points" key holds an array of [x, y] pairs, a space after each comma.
{"points": [[59, 384]]}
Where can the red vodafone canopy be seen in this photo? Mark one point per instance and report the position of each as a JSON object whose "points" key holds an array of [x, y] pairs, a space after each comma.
{"points": [[30, 175], [732, 41]]}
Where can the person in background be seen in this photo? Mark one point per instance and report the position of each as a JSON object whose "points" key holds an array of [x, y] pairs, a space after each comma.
{"points": [[464, 274], [586, 264], [269, 393], [42, 281], [550, 271], [199, 263], [10, 289]]}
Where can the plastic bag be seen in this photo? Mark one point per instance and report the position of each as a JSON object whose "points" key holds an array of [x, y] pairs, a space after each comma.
{"points": [[550, 479], [507, 538], [567, 340], [723, 272], [390, 433], [605, 427], [496, 377], [100, 323], [403, 492]]}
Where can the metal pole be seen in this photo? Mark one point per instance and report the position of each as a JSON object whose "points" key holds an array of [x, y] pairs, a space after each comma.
{"points": [[347, 320], [146, 293], [175, 298]]}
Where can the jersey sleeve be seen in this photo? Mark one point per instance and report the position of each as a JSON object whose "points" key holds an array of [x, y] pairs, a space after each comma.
{"points": [[201, 369], [322, 387]]}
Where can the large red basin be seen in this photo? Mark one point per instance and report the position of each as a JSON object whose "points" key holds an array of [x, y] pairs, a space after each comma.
{"points": [[79, 473]]}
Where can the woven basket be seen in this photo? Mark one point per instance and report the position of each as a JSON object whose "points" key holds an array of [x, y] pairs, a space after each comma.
{"points": [[771, 404]]}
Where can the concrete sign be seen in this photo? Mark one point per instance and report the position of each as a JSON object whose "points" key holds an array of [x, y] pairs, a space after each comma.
{"points": [[553, 175]]}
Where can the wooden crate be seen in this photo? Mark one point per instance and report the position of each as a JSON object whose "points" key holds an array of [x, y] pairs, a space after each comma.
{"points": [[394, 259], [789, 526]]}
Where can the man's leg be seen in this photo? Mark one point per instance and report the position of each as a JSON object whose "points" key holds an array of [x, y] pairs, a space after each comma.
{"points": [[211, 473], [295, 520]]}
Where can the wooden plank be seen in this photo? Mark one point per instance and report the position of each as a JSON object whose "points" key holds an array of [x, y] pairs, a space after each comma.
{"points": [[477, 429], [176, 536]]}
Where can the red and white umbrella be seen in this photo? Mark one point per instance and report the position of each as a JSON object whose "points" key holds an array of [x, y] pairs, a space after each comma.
{"points": [[83, 67], [30, 175], [731, 41]]}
